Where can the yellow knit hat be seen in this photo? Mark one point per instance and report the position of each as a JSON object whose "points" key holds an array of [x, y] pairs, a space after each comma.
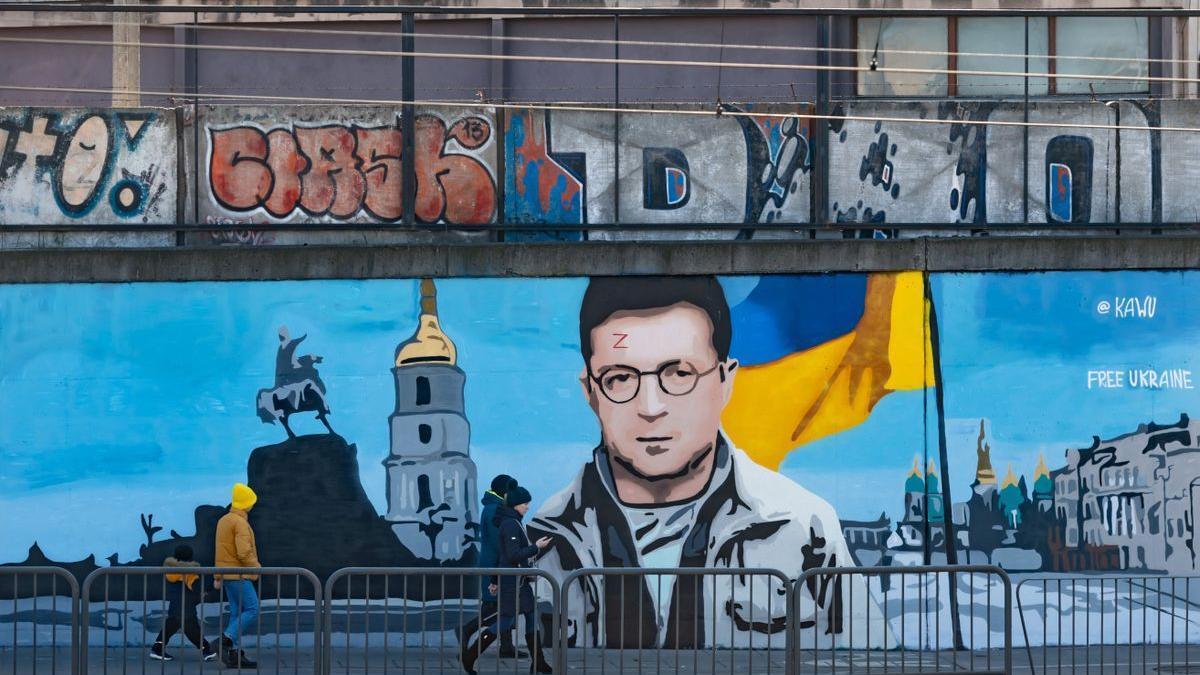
{"points": [[243, 497]]}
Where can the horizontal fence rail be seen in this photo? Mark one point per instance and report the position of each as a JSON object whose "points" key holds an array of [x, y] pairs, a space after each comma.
{"points": [[419, 620], [903, 620], [37, 596], [273, 615], [921, 619], [1110, 624], [673, 619]]}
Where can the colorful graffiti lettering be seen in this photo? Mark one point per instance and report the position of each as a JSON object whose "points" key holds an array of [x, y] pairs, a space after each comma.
{"points": [[86, 161], [1069, 179], [341, 171], [541, 185], [665, 183], [779, 157]]}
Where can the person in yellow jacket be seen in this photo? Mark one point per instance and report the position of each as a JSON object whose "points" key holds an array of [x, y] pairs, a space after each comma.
{"points": [[184, 595], [235, 548]]}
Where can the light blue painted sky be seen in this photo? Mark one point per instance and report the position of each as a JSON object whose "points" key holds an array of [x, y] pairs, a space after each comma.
{"points": [[121, 399]]}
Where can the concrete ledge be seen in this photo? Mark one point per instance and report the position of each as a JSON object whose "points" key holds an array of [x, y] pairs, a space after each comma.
{"points": [[598, 258]]}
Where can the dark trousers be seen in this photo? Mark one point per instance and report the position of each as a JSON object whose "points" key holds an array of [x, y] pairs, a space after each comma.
{"points": [[191, 628], [521, 603], [486, 618]]}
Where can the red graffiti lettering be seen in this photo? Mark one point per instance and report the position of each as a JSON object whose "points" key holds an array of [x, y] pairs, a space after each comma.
{"points": [[379, 151], [286, 165], [343, 171], [453, 187], [238, 172], [620, 343], [333, 184]]}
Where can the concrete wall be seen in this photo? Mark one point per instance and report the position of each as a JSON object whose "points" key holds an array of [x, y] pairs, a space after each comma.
{"points": [[325, 168], [86, 166]]}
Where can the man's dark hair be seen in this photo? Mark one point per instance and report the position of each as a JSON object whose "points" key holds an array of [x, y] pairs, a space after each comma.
{"points": [[183, 553], [606, 296]]}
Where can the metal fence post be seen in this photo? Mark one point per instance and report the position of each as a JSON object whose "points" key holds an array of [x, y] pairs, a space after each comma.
{"points": [[408, 95]]}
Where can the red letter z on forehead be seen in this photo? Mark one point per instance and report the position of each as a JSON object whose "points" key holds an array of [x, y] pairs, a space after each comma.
{"points": [[620, 343]]}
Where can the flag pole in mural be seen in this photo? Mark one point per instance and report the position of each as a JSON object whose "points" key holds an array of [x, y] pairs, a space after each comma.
{"points": [[934, 342]]}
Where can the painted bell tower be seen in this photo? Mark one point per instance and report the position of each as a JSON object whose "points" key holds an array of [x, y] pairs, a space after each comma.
{"points": [[430, 474]]}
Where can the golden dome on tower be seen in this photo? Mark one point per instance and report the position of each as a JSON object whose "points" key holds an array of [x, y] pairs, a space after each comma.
{"points": [[1009, 478], [429, 344], [1041, 469]]}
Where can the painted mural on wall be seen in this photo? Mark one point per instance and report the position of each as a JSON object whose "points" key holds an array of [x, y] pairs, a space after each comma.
{"points": [[64, 166], [732, 422]]}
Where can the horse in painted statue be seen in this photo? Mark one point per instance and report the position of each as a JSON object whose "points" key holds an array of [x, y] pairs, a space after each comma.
{"points": [[298, 386]]}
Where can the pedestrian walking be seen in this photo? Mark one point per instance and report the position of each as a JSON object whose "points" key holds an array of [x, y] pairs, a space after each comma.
{"points": [[489, 540], [515, 594], [236, 548], [184, 595]]}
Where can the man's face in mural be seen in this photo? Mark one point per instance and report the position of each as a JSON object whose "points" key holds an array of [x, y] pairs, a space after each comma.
{"points": [[658, 388]]}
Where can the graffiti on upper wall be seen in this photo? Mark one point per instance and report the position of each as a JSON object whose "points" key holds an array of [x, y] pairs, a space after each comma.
{"points": [[786, 419], [749, 165], [342, 170], [561, 168], [63, 166], [969, 173]]}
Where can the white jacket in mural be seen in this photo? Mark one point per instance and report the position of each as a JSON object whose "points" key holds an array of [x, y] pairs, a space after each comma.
{"points": [[752, 518]]}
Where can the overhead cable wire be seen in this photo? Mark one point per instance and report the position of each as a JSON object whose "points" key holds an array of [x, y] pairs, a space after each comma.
{"points": [[636, 43], [601, 60], [717, 112]]}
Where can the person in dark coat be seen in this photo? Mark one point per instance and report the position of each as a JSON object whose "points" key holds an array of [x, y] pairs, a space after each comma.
{"points": [[515, 592], [489, 539], [184, 595]]}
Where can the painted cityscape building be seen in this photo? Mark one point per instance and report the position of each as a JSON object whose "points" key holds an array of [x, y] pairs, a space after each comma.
{"points": [[430, 474], [1126, 502]]}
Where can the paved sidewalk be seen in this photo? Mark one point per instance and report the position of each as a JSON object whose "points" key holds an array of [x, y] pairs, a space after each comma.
{"points": [[416, 660]]}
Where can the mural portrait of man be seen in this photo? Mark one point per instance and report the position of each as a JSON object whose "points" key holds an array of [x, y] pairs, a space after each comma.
{"points": [[665, 487]]}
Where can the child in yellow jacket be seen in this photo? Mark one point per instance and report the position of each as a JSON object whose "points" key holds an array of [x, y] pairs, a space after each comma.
{"points": [[184, 595]]}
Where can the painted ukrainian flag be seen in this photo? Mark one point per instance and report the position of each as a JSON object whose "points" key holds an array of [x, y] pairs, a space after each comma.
{"points": [[818, 352]]}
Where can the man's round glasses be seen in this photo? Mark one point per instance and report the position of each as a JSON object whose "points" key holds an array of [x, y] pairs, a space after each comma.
{"points": [[621, 384]]}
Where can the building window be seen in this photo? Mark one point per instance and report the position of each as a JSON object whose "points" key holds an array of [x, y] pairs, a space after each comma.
{"points": [[423, 395], [1090, 46], [1102, 46], [1002, 36], [883, 40], [424, 497], [424, 433]]}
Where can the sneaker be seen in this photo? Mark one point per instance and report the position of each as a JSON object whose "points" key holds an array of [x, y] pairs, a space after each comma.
{"points": [[245, 662], [159, 654], [208, 652]]}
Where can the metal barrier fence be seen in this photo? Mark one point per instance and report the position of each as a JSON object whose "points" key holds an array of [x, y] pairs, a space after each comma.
{"points": [[706, 621], [380, 620], [1111, 624], [702, 620], [277, 627], [925, 619], [37, 596]]}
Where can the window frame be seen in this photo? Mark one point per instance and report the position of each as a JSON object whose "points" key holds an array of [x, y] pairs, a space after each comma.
{"points": [[952, 62]]}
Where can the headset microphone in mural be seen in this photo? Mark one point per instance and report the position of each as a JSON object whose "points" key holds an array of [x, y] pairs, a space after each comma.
{"points": [[298, 386]]}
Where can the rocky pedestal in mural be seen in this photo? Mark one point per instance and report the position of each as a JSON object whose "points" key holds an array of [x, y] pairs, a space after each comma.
{"points": [[312, 509]]}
